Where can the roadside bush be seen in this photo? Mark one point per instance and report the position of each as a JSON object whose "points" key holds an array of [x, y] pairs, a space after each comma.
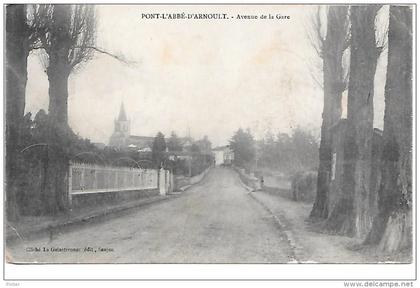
{"points": [[304, 186]]}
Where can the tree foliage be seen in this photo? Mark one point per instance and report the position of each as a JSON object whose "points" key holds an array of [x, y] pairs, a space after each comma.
{"points": [[174, 143], [158, 148], [67, 35], [289, 153], [243, 145], [204, 145]]}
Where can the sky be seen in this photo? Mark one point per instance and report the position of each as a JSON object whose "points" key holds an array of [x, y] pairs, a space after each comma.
{"points": [[209, 76]]}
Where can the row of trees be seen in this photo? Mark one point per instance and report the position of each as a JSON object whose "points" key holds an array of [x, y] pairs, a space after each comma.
{"points": [[354, 28], [175, 144], [65, 35], [198, 154], [244, 148], [286, 153], [289, 153]]}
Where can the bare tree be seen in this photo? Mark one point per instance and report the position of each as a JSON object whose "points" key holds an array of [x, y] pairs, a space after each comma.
{"points": [[68, 39], [67, 35], [351, 214], [392, 227], [21, 36], [331, 50]]}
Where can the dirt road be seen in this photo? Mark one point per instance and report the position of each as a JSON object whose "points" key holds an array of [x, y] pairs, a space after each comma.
{"points": [[212, 222]]}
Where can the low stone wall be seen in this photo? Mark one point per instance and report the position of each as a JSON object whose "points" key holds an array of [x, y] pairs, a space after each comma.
{"points": [[303, 186], [249, 180], [277, 181], [103, 199], [199, 177], [182, 181]]}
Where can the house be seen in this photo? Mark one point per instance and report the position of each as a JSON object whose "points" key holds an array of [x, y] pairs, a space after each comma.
{"points": [[99, 145], [223, 155], [186, 143]]}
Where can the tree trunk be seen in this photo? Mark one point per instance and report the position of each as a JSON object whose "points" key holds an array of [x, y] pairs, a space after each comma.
{"points": [[55, 196], [351, 215], [58, 72], [58, 77], [59, 69], [333, 49], [17, 51], [392, 228], [320, 207]]}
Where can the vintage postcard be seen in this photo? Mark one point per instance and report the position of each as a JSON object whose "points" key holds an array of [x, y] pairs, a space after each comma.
{"points": [[208, 134]]}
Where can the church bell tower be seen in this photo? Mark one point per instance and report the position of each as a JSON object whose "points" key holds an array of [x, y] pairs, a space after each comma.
{"points": [[122, 124], [121, 129]]}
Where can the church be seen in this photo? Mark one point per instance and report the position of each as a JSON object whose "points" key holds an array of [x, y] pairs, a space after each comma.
{"points": [[122, 139]]}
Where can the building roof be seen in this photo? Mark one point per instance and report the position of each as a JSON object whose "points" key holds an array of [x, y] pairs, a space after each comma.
{"points": [[134, 141], [99, 145], [141, 138], [221, 148], [186, 140]]}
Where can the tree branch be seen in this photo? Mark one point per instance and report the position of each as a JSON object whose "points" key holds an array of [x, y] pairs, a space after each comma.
{"points": [[102, 51], [314, 32]]}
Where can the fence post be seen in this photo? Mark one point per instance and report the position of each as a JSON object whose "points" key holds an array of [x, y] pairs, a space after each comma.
{"points": [[106, 175], [171, 182], [116, 178], [162, 184], [95, 179], [82, 177], [70, 186], [167, 182]]}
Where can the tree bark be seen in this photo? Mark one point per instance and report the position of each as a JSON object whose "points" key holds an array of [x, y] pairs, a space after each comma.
{"points": [[58, 93], [351, 215], [59, 68], [58, 72], [333, 49], [17, 51], [392, 228]]}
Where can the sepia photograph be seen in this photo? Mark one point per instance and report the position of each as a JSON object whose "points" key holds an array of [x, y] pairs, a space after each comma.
{"points": [[209, 134]]}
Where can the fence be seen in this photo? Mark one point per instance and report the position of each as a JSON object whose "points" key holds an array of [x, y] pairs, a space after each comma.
{"points": [[88, 178]]}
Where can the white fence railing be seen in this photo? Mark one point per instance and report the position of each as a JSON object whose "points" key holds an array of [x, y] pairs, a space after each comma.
{"points": [[88, 178]]}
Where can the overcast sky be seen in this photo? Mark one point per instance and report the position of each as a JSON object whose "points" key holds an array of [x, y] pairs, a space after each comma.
{"points": [[212, 76]]}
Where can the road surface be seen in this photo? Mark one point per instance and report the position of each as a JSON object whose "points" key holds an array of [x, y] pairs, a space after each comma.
{"points": [[215, 221]]}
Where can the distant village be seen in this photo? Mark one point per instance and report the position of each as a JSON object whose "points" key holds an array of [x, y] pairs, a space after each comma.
{"points": [[122, 139]]}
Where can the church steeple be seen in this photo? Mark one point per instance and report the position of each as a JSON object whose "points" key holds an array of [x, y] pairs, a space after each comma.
{"points": [[122, 125], [122, 116]]}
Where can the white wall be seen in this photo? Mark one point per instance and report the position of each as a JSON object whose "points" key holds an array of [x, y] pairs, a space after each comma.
{"points": [[218, 156]]}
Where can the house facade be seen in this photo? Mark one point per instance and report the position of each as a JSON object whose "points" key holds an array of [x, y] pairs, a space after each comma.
{"points": [[223, 155]]}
